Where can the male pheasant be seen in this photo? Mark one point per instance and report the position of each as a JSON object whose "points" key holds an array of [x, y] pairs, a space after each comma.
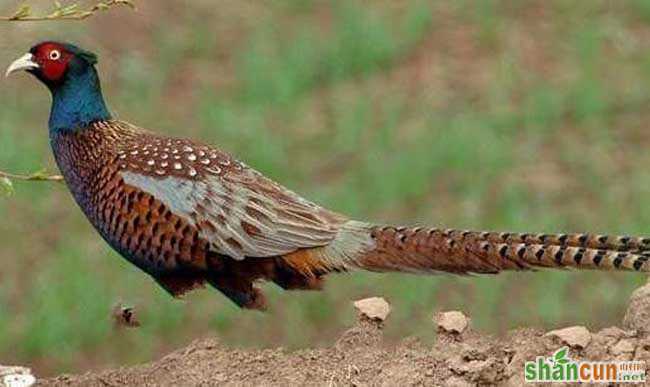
{"points": [[188, 214]]}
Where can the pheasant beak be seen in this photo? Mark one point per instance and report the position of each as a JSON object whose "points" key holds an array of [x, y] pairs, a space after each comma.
{"points": [[25, 62]]}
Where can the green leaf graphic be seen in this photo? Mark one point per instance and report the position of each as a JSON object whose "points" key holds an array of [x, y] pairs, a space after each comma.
{"points": [[560, 354]]}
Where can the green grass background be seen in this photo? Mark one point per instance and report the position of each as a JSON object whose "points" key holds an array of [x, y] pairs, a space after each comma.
{"points": [[507, 115]]}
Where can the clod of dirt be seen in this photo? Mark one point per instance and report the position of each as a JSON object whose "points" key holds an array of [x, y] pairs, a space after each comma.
{"points": [[16, 376], [455, 381], [624, 346], [637, 316], [368, 330], [574, 337], [125, 316], [460, 357], [374, 308], [614, 332], [451, 322]]}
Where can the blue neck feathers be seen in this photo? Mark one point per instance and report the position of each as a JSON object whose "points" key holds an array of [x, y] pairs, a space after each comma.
{"points": [[77, 101]]}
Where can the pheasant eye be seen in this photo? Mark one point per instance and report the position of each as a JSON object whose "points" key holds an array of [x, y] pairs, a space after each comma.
{"points": [[55, 55]]}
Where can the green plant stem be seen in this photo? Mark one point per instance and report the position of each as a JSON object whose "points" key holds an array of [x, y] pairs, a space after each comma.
{"points": [[71, 12], [37, 176]]}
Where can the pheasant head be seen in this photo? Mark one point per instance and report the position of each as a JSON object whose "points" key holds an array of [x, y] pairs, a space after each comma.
{"points": [[69, 72]]}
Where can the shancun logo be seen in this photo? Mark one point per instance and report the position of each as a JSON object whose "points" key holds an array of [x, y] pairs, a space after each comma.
{"points": [[560, 368]]}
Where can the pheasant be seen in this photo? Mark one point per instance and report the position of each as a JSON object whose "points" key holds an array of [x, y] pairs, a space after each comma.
{"points": [[189, 214]]}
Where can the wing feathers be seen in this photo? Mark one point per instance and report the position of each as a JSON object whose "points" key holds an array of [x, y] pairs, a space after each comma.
{"points": [[242, 214]]}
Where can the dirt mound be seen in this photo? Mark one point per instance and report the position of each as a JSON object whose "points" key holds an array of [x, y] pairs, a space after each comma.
{"points": [[460, 356]]}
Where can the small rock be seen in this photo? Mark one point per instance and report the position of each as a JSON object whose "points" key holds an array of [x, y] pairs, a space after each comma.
{"points": [[642, 351], [480, 372], [16, 377], [637, 316], [623, 346], [575, 337], [10, 370], [456, 381], [374, 308], [613, 332], [452, 322]]}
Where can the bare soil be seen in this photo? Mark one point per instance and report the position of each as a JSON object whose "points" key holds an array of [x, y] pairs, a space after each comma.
{"points": [[359, 357]]}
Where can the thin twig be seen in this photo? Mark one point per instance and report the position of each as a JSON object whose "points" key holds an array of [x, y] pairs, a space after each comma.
{"points": [[36, 176], [67, 12]]}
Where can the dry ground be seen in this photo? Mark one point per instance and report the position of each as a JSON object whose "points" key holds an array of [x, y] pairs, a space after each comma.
{"points": [[359, 357]]}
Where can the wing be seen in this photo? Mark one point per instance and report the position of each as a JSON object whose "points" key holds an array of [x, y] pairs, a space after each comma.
{"points": [[236, 209]]}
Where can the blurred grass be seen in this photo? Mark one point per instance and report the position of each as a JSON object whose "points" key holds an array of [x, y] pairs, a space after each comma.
{"points": [[526, 116]]}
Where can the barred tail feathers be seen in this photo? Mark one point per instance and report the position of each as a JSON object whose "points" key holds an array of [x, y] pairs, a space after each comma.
{"points": [[429, 250]]}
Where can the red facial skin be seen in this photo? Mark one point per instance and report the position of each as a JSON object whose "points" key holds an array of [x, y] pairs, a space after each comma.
{"points": [[52, 66]]}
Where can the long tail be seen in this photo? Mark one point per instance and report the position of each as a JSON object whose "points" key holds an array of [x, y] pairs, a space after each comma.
{"points": [[428, 250]]}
